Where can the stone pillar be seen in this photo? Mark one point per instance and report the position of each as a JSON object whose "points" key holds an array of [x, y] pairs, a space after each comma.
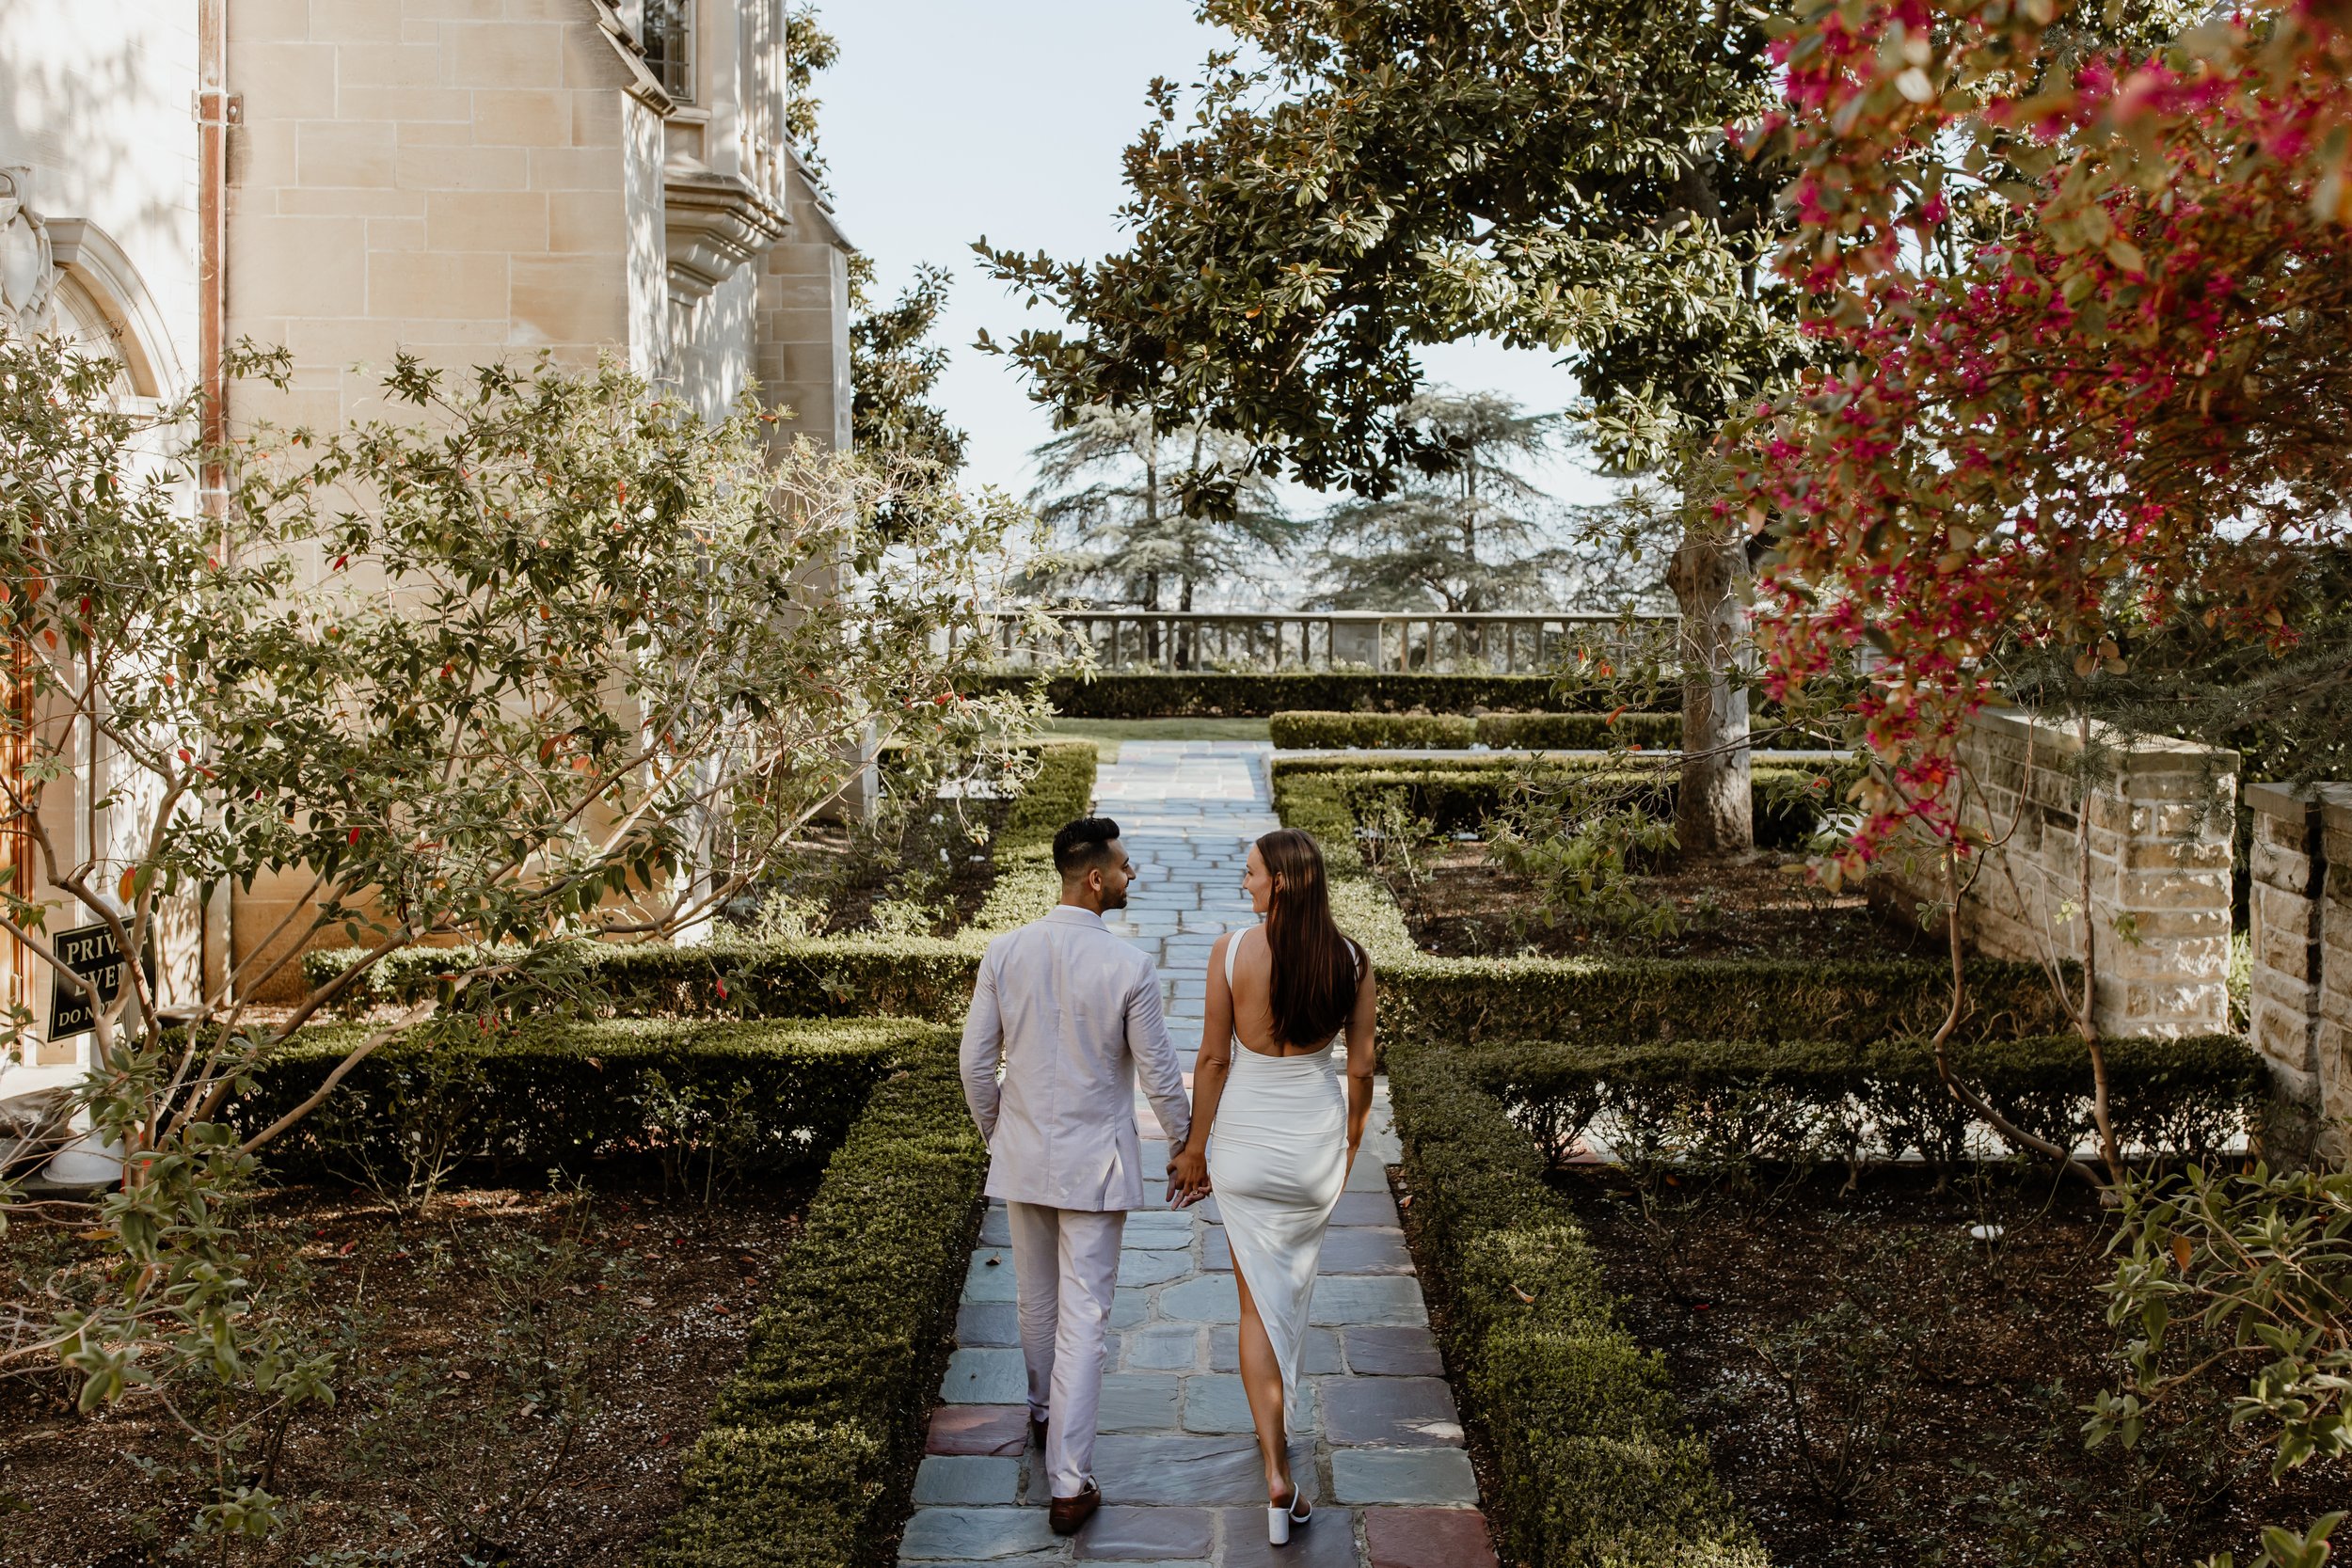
{"points": [[1355, 640], [2286, 870], [2160, 816], [2333, 1047], [2300, 904]]}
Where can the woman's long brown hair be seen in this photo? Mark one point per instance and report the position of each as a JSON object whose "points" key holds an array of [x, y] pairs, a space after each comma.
{"points": [[1315, 968]]}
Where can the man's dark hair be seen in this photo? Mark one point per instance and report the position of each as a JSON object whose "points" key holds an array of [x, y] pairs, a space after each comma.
{"points": [[1084, 844]]}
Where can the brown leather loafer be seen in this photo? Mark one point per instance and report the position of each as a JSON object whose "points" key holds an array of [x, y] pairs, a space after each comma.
{"points": [[1068, 1514]]}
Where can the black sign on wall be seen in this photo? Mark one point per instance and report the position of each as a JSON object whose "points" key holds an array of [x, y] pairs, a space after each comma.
{"points": [[91, 952]]}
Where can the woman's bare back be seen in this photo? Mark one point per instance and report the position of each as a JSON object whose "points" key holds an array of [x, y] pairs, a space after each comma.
{"points": [[1251, 967]]}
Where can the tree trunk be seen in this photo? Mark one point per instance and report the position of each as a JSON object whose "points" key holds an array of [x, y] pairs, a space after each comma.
{"points": [[1714, 811], [1472, 598]]}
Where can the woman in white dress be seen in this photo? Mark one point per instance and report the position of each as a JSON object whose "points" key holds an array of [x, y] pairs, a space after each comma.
{"points": [[1273, 1137]]}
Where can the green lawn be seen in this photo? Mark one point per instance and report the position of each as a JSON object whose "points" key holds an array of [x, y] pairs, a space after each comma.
{"points": [[1108, 732]]}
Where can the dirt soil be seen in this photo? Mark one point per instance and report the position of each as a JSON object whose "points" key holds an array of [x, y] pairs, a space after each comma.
{"points": [[937, 864], [519, 1376], [1935, 1378], [1761, 908]]}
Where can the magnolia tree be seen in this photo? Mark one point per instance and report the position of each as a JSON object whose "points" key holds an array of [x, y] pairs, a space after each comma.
{"points": [[494, 674], [2085, 324], [1360, 178]]}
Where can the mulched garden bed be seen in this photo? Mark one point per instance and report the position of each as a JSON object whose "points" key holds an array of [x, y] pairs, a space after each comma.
{"points": [[1763, 907], [520, 1373], [846, 870], [1877, 1388]]}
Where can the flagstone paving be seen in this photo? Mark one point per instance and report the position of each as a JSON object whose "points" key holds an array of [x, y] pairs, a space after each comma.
{"points": [[1380, 1445]]}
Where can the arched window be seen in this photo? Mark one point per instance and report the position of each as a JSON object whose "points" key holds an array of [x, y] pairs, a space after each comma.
{"points": [[103, 302], [80, 317]]}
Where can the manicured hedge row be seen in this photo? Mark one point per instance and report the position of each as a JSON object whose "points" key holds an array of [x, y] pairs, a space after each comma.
{"points": [[1595, 1462], [1427, 996], [1578, 731], [1877, 1100], [1462, 795], [1323, 732], [1143, 695], [1062, 790], [810, 1454], [844, 976], [1458, 732], [558, 1093]]}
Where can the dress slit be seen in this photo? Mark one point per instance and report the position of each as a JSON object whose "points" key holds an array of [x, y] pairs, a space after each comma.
{"points": [[1278, 1158]]}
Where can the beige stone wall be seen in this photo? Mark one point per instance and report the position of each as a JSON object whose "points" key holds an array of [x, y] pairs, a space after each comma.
{"points": [[803, 324], [2161, 814], [2301, 921], [646, 282], [97, 102], [2334, 1044], [485, 180], [96, 116], [445, 176]]}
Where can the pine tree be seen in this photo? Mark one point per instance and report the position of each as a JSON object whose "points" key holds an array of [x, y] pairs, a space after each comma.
{"points": [[1120, 495], [1467, 533]]}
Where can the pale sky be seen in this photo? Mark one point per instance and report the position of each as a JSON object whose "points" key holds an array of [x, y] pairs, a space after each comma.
{"points": [[948, 119]]}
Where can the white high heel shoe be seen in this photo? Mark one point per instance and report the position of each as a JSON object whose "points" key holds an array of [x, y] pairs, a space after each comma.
{"points": [[1279, 1519]]}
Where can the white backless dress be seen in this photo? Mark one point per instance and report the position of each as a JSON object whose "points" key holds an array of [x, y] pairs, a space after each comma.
{"points": [[1278, 1158]]}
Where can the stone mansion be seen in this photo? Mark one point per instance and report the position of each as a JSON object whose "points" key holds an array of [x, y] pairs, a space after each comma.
{"points": [[470, 180]]}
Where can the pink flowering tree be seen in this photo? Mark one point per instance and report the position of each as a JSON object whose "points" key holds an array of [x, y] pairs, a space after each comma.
{"points": [[2086, 331], [2085, 359]]}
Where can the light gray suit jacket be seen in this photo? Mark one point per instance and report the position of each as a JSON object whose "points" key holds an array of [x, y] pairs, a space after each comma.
{"points": [[1073, 1014]]}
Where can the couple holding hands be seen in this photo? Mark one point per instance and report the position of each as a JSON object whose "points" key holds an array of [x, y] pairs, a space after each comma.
{"points": [[1065, 1020]]}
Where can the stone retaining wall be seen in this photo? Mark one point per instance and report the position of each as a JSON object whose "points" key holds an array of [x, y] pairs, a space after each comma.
{"points": [[2301, 925], [2161, 815]]}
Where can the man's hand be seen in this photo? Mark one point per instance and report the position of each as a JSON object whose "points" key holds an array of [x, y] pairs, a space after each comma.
{"points": [[1189, 1174]]}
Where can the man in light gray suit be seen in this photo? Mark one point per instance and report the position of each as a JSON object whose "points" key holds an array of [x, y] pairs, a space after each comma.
{"points": [[1072, 1014]]}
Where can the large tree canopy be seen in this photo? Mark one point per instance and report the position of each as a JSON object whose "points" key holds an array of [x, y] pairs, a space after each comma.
{"points": [[1402, 172], [2126, 402], [1385, 174]]}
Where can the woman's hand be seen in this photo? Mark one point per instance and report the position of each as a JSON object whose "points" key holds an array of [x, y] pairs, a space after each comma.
{"points": [[1188, 1174]]}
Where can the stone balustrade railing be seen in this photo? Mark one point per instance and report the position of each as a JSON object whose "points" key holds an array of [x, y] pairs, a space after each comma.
{"points": [[1504, 644]]}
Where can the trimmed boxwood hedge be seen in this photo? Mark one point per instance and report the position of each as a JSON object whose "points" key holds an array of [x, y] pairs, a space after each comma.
{"points": [[1061, 791], [1124, 694], [1459, 794], [1443, 731], [1569, 732], [1401, 732], [1428, 996], [556, 1093], [1595, 1462], [1877, 1099], [809, 1458], [844, 977]]}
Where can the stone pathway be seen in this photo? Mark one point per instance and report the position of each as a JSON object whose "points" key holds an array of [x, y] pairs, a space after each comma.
{"points": [[1380, 1447]]}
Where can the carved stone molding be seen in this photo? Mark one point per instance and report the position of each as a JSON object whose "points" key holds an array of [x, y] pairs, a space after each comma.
{"points": [[712, 224], [28, 264]]}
